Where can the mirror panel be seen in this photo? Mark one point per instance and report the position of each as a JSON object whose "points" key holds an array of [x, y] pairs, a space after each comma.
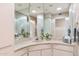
{"points": [[48, 21]]}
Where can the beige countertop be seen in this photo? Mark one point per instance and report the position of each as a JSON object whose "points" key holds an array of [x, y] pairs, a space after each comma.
{"points": [[30, 43]]}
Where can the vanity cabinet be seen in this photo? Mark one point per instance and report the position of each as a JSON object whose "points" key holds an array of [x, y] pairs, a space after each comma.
{"points": [[63, 50], [47, 52], [21, 52], [48, 49], [34, 53], [40, 50], [61, 53], [78, 51]]}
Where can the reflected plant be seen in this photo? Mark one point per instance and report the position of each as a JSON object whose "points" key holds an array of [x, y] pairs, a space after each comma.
{"points": [[27, 34], [48, 36], [24, 34], [42, 35]]}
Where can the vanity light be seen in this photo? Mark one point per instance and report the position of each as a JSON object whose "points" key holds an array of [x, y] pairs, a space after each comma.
{"points": [[70, 10], [58, 9], [66, 18], [50, 5], [33, 11], [32, 21]]}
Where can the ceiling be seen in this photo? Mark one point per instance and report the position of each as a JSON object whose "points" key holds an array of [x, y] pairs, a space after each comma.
{"points": [[38, 8]]}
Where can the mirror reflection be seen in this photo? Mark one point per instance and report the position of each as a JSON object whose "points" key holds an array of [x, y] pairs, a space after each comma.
{"points": [[43, 21]]}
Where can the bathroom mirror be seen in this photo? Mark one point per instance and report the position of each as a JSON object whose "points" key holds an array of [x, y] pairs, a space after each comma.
{"points": [[22, 24], [42, 21]]}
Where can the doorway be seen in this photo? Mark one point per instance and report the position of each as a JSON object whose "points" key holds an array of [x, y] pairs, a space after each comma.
{"points": [[59, 28]]}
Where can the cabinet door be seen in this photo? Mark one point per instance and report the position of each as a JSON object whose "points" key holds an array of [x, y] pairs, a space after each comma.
{"points": [[34, 53], [21, 52], [61, 53], [78, 51], [63, 47], [47, 52], [40, 50]]}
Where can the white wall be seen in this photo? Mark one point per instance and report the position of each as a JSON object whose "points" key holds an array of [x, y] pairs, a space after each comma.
{"points": [[72, 17], [76, 9], [40, 23], [47, 24], [66, 26], [6, 28], [32, 29], [53, 28], [21, 23], [59, 28]]}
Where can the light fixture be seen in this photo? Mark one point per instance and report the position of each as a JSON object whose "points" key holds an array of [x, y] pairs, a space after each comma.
{"points": [[67, 18], [39, 7], [71, 10], [32, 21], [19, 5], [58, 9], [50, 5], [33, 11]]}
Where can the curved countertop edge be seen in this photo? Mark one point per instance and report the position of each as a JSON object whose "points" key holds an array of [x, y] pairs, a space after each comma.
{"points": [[33, 43]]}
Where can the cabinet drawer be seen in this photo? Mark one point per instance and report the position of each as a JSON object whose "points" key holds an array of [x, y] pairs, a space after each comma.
{"points": [[34, 53], [47, 52], [63, 47], [61, 53], [7, 51], [38, 47], [78, 50], [21, 52]]}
